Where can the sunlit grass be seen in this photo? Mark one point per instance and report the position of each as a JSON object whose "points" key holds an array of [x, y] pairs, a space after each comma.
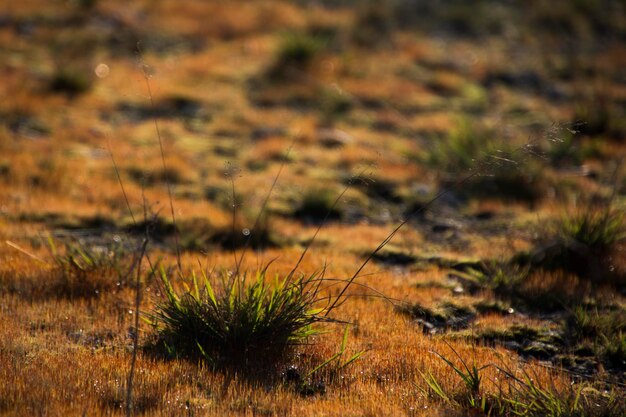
{"points": [[374, 90], [241, 320]]}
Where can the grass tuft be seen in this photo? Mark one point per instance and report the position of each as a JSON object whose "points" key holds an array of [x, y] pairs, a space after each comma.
{"points": [[601, 332], [86, 271], [70, 82], [244, 321], [318, 205], [584, 244], [296, 54], [596, 229], [462, 150], [520, 394]]}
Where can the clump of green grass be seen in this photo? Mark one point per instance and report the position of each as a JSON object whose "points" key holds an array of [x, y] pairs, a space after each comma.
{"points": [[244, 321], [535, 400], [471, 156], [78, 271], [70, 81], [614, 350], [473, 397], [296, 53], [596, 229], [503, 278], [318, 205], [583, 244], [524, 287], [601, 332], [86, 271], [520, 394], [462, 150]]}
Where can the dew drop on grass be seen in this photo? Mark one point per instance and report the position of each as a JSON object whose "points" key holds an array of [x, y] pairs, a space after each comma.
{"points": [[102, 70]]}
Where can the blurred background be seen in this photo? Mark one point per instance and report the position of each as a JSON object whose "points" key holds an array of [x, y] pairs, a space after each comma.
{"points": [[398, 99]]}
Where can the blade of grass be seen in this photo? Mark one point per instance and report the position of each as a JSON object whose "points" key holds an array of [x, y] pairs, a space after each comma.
{"points": [[25, 252]]}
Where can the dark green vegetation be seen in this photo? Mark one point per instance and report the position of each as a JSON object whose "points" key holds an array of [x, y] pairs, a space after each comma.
{"points": [[244, 322], [523, 398]]}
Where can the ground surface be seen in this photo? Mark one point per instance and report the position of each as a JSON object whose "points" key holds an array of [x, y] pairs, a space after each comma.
{"points": [[496, 131]]}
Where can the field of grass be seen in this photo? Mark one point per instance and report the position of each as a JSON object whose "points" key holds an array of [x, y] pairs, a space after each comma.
{"points": [[325, 208]]}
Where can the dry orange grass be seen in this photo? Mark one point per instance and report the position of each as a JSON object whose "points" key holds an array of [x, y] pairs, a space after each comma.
{"points": [[63, 358], [62, 354]]}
